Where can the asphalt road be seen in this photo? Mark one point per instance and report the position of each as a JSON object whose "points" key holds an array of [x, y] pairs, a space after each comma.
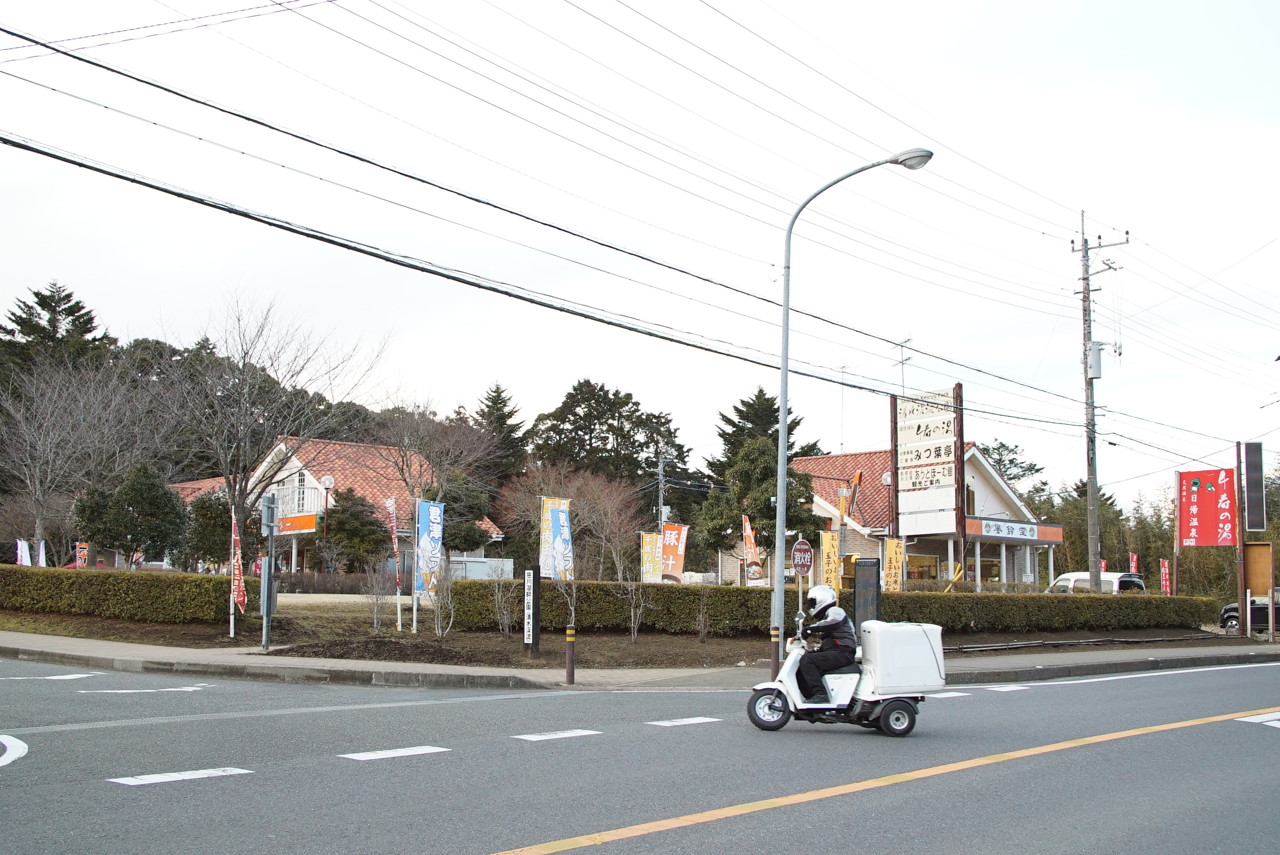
{"points": [[107, 762]]}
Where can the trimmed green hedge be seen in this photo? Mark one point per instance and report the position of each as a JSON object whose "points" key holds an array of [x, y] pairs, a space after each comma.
{"points": [[127, 594], [733, 610]]}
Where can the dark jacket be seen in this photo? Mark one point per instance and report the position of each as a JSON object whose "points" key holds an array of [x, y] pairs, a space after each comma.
{"points": [[835, 629]]}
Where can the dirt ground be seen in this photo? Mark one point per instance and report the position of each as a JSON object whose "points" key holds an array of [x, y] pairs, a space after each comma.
{"points": [[345, 633]]}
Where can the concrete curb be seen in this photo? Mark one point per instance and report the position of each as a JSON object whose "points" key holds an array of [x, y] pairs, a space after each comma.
{"points": [[286, 673], [1092, 669]]}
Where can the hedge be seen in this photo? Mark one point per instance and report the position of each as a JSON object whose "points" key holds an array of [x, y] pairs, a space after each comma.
{"points": [[733, 610], [127, 594]]}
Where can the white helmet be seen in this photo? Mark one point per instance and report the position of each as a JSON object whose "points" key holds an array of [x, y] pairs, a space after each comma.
{"points": [[820, 597]]}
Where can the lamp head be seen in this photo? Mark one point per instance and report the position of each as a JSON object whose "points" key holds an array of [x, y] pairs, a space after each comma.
{"points": [[912, 158]]}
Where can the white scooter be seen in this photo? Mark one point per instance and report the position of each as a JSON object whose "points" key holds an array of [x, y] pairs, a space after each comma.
{"points": [[900, 663]]}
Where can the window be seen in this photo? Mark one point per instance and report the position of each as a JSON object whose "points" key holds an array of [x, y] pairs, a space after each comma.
{"points": [[300, 491]]}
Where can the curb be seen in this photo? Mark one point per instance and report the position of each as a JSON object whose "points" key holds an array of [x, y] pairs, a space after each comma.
{"points": [[1059, 672], [283, 673]]}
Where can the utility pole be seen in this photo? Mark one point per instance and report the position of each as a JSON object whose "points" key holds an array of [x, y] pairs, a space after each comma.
{"points": [[662, 492], [1092, 362]]}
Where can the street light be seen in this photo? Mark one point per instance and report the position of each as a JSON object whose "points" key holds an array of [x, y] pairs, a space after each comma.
{"points": [[912, 159]]}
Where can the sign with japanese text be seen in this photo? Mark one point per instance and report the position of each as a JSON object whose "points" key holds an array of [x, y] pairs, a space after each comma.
{"points": [[555, 553], [924, 477], [927, 446], [894, 550], [674, 539], [830, 557], [1207, 508], [1164, 576], [802, 557], [1133, 562], [395, 541], [650, 557], [82, 555], [238, 593], [429, 556], [924, 453]]}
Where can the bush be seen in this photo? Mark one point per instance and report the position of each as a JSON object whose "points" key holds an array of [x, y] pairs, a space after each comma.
{"points": [[733, 610], [127, 594]]}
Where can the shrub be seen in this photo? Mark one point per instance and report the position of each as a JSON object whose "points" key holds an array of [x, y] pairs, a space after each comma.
{"points": [[127, 594]]}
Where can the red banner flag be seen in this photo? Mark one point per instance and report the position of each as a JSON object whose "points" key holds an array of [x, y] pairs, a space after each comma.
{"points": [[1133, 562], [1164, 576], [1207, 508], [238, 592]]}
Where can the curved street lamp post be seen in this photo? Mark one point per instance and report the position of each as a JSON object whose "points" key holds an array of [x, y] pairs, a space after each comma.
{"points": [[912, 159]]}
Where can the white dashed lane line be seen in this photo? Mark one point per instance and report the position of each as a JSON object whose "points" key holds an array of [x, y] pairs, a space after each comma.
{"points": [[1269, 719], [57, 677], [1008, 688], [170, 777], [948, 695], [394, 752], [559, 734], [678, 722]]}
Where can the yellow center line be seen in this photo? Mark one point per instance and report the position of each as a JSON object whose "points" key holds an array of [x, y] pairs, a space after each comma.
{"points": [[644, 828]]}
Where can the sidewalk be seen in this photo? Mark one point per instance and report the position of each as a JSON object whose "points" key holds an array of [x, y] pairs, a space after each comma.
{"points": [[251, 663]]}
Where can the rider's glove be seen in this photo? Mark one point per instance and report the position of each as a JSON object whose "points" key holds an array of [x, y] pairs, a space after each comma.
{"points": [[806, 632]]}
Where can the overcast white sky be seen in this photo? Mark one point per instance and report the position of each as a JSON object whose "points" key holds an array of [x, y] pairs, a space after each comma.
{"points": [[688, 133]]}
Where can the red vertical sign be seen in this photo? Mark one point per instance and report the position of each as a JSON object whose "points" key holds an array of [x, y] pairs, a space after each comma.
{"points": [[1164, 576], [238, 592], [1207, 508]]}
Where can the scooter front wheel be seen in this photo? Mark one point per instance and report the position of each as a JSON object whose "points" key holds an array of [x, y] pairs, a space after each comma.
{"points": [[768, 709]]}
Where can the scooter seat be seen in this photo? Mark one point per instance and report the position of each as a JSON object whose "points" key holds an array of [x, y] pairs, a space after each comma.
{"points": [[851, 668]]}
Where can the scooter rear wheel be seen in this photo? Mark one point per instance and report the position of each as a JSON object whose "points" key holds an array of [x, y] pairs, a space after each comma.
{"points": [[897, 718], [768, 709]]}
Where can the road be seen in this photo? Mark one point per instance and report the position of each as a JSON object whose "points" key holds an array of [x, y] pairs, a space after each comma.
{"points": [[105, 762]]}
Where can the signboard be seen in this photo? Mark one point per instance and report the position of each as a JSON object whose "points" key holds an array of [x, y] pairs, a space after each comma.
{"points": [[802, 557], [1164, 576], [555, 553], [650, 557], [1255, 492], [529, 592], [830, 548], [298, 524], [926, 451], [894, 551], [1206, 508], [674, 539], [989, 529], [429, 555]]}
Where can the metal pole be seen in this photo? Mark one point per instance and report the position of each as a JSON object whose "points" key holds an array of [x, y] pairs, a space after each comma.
{"points": [[912, 159], [1090, 424]]}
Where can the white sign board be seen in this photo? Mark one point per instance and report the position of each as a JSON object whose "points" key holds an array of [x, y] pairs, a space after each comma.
{"points": [[921, 477], [935, 522], [528, 607], [937, 429]]}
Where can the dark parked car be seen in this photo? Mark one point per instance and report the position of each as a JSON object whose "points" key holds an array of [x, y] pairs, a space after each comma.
{"points": [[1259, 615]]}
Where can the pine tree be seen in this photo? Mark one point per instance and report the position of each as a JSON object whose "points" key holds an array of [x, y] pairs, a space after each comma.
{"points": [[53, 325], [497, 416], [754, 417]]}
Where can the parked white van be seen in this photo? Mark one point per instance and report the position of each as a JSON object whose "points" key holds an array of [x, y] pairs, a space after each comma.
{"points": [[1112, 583]]}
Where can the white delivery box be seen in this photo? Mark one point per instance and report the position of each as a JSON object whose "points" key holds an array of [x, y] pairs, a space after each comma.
{"points": [[903, 658]]}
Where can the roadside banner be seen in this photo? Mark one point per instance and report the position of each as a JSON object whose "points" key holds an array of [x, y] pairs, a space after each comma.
{"points": [[430, 552], [82, 555], [1165, 587], [650, 557], [24, 554], [674, 539], [395, 541], [239, 595], [1102, 565], [893, 560], [40, 559], [555, 551], [1133, 562], [1207, 508], [756, 577], [830, 547]]}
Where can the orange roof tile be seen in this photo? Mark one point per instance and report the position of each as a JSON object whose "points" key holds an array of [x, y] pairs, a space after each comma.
{"points": [[832, 471]]}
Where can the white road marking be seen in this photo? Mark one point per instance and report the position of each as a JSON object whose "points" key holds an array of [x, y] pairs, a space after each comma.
{"points": [[1272, 719], [559, 734], [949, 695], [13, 749], [167, 777], [1007, 688], [57, 677], [677, 722], [394, 752], [196, 688]]}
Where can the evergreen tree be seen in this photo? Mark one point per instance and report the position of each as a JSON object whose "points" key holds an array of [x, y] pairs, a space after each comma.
{"points": [[142, 515], [754, 417], [356, 530], [53, 325], [497, 416], [1007, 459]]}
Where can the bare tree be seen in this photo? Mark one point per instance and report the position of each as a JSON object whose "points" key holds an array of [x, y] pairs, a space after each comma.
{"points": [[604, 513], [262, 384], [506, 592], [378, 587], [71, 426]]}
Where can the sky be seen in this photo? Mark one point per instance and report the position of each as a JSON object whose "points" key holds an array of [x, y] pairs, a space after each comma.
{"points": [[638, 162]]}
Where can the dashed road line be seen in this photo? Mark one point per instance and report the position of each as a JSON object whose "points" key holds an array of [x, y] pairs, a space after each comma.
{"points": [[394, 752], [169, 777], [679, 722], [948, 695], [559, 734], [1271, 719], [1007, 688], [13, 749]]}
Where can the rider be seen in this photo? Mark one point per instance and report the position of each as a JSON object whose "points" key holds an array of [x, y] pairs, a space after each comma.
{"points": [[839, 643]]}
